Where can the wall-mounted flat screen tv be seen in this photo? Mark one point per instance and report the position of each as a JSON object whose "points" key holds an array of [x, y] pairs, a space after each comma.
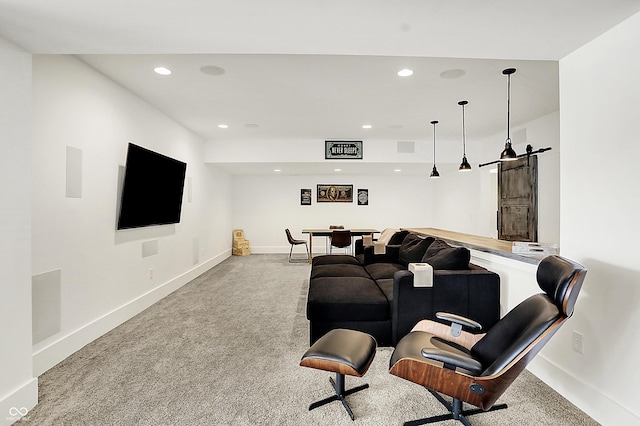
{"points": [[152, 189]]}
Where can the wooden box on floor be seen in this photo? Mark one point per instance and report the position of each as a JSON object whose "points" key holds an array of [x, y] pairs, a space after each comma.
{"points": [[241, 251], [240, 245]]}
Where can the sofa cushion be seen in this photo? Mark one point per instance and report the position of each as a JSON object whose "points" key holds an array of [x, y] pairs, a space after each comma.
{"points": [[441, 255], [346, 299], [413, 249], [338, 270], [386, 285], [332, 259], [379, 271]]}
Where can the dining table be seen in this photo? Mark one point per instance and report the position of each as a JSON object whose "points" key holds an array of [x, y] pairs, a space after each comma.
{"points": [[326, 232]]}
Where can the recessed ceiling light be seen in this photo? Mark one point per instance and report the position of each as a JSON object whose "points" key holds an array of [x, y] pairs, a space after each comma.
{"points": [[212, 70], [397, 170], [223, 126], [367, 126], [277, 170], [162, 70], [405, 72], [337, 170], [454, 73]]}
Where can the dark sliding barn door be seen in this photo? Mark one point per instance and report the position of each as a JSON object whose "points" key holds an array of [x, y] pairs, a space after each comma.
{"points": [[518, 199]]}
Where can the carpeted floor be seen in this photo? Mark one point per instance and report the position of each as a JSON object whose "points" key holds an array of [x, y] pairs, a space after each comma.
{"points": [[225, 349]]}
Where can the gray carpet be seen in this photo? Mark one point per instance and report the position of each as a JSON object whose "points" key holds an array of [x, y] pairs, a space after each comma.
{"points": [[225, 349]]}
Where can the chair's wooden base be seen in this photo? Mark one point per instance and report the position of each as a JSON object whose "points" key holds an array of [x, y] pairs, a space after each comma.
{"points": [[455, 412], [338, 386]]}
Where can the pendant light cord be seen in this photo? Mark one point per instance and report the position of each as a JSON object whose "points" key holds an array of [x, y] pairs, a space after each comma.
{"points": [[508, 106], [464, 136], [434, 143]]}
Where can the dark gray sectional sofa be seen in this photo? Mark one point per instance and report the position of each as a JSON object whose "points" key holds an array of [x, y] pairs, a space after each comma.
{"points": [[375, 293]]}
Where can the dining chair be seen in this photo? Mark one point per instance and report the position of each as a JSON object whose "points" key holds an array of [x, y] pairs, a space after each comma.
{"points": [[328, 242], [340, 239], [295, 242]]}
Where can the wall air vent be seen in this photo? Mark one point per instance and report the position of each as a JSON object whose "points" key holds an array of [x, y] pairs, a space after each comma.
{"points": [[406, 147]]}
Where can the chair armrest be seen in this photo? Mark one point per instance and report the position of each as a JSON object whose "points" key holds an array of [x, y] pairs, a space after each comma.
{"points": [[446, 316], [452, 358], [466, 339], [457, 321]]}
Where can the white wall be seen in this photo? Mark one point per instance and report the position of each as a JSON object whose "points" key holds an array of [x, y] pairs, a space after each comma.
{"points": [[465, 202], [599, 92], [104, 277], [18, 387], [265, 205]]}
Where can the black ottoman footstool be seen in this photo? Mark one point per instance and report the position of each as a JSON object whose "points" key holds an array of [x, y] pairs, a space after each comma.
{"points": [[343, 352]]}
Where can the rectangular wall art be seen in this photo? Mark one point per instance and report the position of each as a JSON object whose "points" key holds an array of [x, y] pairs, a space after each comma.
{"points": [[363, 197], [341, 150], [335, 193], [305, 197]]}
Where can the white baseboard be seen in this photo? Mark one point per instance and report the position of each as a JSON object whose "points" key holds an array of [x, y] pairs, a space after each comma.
{"points": [[285, 250], [52, 354], [600, 407], [17, 404]]}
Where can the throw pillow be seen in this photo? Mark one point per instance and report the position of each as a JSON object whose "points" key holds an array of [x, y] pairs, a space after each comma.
{"points": [[397, 238], [413, 249], [435, 248], [451, 258], [386, 235]]}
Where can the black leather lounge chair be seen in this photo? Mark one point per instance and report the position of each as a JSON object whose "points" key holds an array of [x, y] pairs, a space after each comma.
{"points": [[480, 373]]}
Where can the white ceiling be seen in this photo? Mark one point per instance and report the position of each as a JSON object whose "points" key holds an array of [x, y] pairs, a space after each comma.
{"points": [[329, 96], [315, 70]]}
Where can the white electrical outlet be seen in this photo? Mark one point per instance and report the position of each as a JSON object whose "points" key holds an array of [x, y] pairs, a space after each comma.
{"points": [[578, 342], [150, 273]]}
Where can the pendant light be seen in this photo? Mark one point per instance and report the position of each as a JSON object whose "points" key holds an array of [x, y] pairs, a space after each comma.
{"points": [[464, 166], [434, 172], [508, 153]]}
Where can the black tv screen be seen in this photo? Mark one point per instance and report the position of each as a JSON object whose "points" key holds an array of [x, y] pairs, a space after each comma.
{"points": [[152, 189]]}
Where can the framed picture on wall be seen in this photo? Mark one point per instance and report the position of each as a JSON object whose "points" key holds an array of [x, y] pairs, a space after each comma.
{"points": [[305, 197], [363, 197], [342, 150], [328, 193]]}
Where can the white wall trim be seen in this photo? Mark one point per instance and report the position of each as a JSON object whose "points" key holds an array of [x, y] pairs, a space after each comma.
{"points": [[599, 406], [57, 351], [13, 405]]}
